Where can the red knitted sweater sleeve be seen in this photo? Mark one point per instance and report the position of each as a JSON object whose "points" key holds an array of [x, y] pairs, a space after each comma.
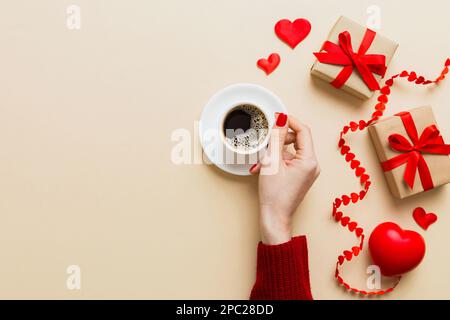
{"points": [[282, 271]]}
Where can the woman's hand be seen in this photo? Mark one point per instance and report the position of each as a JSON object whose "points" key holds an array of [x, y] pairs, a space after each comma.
{"points": [[284, 177]]}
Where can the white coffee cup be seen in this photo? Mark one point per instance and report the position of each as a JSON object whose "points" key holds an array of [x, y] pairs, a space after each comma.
{"points": [[213, 141]]}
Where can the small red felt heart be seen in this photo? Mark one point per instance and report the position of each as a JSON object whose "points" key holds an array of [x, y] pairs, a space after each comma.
{"points": [[420, 80], [412, 76], [383, 98], [292, 33], [338, 202], [359, 171], [380, 106], [345, 221], [359, 231], [404, 74], [385, 90], [269, 64], [423, 219], [349, 157], [362, 194], [355, 164], [348, 255], [345, 200], [364, 178], [345, 149], [352, 225]]}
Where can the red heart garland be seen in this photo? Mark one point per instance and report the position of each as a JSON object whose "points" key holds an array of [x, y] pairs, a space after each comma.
{"points": [[364, 179], [292, 33], [423, 219], [394, 250], [269, 64]]}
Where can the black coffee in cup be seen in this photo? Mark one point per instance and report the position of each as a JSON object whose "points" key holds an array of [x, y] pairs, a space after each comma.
{"points": [[245, 127], [237, 119]]}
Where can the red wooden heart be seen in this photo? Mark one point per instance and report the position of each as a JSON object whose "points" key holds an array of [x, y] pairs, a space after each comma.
{"points": [[423, 219], [394, 250], [269, 64], [292, 33]]}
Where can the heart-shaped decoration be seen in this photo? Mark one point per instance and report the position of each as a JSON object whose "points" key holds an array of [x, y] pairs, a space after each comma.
{"points": [[394, 250], [292, 33], [269, 64], [423, 219]]}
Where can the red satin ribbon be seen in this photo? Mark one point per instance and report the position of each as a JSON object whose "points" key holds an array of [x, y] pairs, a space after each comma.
{"points": [[343, 54], [430, 141]]}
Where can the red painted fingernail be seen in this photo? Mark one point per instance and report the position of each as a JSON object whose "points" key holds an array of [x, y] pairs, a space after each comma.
{"points": [[252, 167], [281, 120]]}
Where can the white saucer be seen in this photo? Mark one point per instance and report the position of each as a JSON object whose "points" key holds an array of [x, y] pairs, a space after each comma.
{"points": [[221, 102]]}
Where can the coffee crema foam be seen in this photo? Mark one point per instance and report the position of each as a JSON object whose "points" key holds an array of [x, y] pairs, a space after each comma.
{"points": [[255, 135]]}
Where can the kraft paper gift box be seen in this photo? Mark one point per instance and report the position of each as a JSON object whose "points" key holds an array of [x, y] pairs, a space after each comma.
{"points": [[382, 134], [355, 84]]}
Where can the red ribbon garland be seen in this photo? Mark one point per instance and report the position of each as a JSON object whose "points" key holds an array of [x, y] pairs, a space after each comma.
{"points": [[430, 141], [364, 178], [343, 54]]}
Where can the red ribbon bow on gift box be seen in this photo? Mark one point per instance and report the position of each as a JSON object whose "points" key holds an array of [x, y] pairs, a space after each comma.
{"points": [[430, 141], [343, 54]]}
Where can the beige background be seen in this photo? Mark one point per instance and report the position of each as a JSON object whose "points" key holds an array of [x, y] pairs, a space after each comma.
{"points": [[85, 124]]}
